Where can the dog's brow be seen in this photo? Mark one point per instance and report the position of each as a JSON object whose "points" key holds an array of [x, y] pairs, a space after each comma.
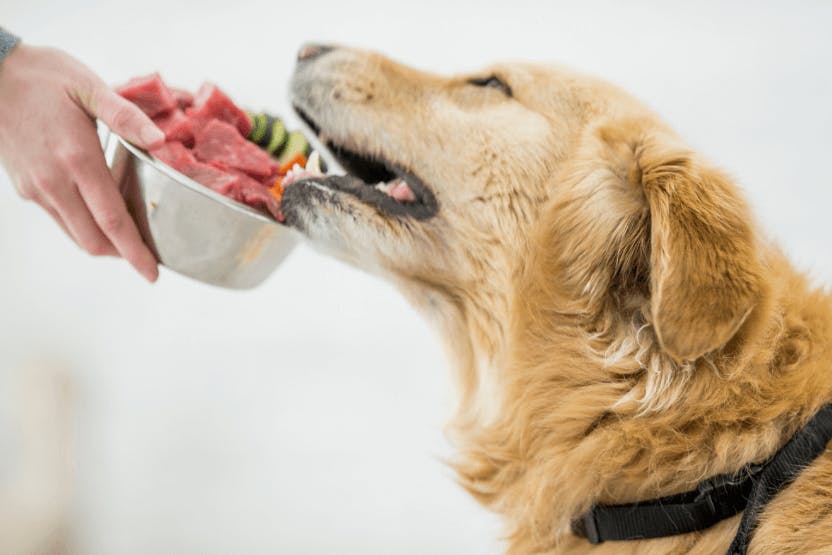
{"points": [[492, 80]]}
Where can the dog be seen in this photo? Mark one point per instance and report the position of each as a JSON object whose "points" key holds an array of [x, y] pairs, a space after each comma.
{"points": [[619, 328]]}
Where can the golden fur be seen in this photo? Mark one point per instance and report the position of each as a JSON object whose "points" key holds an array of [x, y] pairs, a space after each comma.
{"points": [[620, 328]]}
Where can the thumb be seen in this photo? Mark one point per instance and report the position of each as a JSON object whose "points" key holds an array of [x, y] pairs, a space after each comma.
{"points": [[122, 116]]}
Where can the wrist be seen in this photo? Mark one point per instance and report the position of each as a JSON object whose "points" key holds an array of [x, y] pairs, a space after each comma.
{"points": [[7, 43]]}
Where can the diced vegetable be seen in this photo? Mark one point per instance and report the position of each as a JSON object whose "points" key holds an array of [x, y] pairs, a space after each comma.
{"points": [[296, 144]]}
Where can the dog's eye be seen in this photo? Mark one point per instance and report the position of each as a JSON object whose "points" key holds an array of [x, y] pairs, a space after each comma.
{"points": [[491, 81]]}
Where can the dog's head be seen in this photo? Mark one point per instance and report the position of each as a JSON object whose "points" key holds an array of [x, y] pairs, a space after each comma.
{"points": [[522, 186]]}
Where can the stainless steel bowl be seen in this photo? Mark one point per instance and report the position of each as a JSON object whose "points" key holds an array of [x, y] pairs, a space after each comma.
{"points": [[192, 229]]}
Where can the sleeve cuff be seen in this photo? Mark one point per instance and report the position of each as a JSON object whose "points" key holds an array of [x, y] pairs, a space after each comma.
{"points": [[7, 42]]}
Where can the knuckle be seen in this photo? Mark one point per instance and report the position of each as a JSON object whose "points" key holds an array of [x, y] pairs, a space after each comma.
{"points": [[109, 222], [97, 247], [72, 157], [47, 186], [25, 191], [122, 117]]}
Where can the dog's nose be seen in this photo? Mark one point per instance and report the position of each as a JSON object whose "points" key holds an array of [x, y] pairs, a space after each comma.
{"points": [[310, 51]]}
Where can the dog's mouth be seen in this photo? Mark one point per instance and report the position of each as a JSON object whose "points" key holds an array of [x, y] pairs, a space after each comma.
{"points": [[374, 181]]}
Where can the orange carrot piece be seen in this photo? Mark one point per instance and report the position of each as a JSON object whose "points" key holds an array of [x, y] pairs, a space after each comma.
{"points": [[277, 189], [299, 159]]}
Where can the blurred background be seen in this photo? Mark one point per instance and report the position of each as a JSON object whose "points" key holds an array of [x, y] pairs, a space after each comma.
{"points": [[306, 416]]}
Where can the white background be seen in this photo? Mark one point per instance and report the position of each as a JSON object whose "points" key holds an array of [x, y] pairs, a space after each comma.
{"points": [[305, 416]]}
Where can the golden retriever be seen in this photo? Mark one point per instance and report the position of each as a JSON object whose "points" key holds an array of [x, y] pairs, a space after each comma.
{"points": [[619, 327]]}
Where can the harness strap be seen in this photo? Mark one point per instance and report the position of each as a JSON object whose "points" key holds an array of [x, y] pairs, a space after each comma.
{"points": [[781, 470], [714, 499]]}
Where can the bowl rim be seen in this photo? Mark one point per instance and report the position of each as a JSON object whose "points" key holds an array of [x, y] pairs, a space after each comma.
{"points": [[195, 186]]}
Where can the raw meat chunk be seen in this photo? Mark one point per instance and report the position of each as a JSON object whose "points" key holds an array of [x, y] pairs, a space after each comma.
{"points": [[149, 93], [180, 158], [210, 176], [174, 154], [211, 103], [255, 194], [176, 126], [183, 98], [218, 141]]}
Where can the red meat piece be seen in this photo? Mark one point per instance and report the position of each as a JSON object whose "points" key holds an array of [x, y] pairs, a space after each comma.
{"points": [[211, 103], [149, 93], [210, 176], [176, 126], [254, 194], [174, 154], [220, 142], [276, 169], [231, 183], [180, 158], [183, 98]]}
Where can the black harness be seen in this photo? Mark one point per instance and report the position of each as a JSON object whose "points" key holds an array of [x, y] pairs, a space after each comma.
{"points": [[714, 499]]}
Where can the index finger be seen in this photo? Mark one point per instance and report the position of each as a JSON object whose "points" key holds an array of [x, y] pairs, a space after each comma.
{"points": [[101, 195], [120, 115]]}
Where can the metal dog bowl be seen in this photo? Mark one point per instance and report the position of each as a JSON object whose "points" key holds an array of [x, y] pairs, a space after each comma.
{"points": [[192, 229]]}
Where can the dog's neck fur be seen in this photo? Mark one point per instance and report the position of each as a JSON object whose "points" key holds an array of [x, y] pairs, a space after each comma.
{"points": [[599, 404]]}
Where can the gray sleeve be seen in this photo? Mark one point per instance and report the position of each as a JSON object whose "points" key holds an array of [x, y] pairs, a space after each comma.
{"points": [[7, 42]]}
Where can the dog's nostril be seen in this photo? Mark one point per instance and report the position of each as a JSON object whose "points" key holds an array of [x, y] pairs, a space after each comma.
{"points": [[310, 51]]}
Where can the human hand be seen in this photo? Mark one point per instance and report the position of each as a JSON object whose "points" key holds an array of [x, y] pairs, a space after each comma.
{"points": [[50, 148]]}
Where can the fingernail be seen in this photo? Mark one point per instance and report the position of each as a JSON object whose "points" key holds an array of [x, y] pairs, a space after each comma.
{"points": [[151, 135]]}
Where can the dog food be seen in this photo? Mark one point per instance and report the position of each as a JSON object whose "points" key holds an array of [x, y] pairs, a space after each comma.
{"points": [[214, 142]]}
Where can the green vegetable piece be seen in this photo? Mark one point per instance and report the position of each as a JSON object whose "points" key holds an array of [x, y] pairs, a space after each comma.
{"points": [[296, 144], [261, 125], [278, 137]]}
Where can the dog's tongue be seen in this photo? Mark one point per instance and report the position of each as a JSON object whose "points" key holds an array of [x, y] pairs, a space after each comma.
{"points": [[401, 191]]}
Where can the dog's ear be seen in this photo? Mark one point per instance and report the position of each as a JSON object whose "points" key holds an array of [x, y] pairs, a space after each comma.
{"points": [[638, 217], [705, 274]]}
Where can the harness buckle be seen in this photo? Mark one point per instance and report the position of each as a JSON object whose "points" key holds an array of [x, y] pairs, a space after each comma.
{"points": [[587, 527]]}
